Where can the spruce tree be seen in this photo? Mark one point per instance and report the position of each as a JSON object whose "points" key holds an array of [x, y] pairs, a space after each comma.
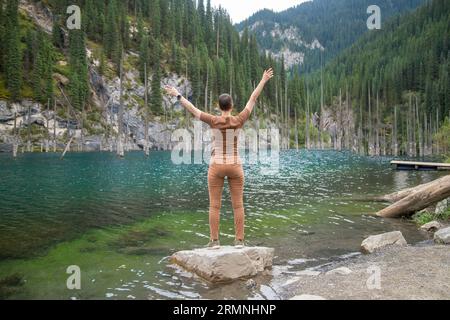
{"points": [[79, 84], [155, 18], [2, 35], [144, 57], [13, 53], [156, 94]]}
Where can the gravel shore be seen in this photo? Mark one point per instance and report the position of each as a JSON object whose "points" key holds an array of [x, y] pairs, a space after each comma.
{"points": [[411, 272]]}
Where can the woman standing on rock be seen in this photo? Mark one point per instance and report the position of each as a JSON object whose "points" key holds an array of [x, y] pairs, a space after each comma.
{"points": [[225, 160]]}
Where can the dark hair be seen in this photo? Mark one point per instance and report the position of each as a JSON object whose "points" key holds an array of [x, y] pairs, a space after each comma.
{"points": [[225, 102]]}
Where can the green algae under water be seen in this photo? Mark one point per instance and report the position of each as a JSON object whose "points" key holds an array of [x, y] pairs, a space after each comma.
{"points": [[119, 220]]}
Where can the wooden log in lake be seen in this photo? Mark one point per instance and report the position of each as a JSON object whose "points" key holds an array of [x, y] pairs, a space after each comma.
{"points": [[419, 198], [399, 195]]}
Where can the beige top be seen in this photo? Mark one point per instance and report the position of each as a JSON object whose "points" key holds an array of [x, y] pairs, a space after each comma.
{"points": [[225, 133]]}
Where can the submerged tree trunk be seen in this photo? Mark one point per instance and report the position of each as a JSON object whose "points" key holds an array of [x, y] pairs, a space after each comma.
{"points": [[296, 129], [29, 129], [54, 126], [394, 134], [47, 140], [418, 198], [308, 120], [15, 138], [146, 112], [120, 148], [67, 147]]}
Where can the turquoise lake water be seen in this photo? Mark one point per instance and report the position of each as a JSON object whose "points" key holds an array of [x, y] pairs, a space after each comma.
{"points": [[119, 220]]}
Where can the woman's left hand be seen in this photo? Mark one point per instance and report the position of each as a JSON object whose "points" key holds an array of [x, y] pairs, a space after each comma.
{"points": [[172, 91]]}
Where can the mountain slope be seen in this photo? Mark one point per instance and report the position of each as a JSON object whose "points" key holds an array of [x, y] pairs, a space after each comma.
{"points": [[404, 69], [300, 31]]}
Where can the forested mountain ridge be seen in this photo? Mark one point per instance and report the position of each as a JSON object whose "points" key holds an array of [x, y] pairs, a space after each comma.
{"points": [[299, 33], [88, 85], [397, 80], [75, 73]]}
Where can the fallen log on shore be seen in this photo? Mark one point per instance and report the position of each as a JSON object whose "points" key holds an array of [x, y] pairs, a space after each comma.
{"points": [[399, 195], [412, 200]]}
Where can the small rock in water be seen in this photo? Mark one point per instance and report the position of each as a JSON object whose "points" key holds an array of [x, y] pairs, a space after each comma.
{"points": [[110, 295], [373, 243], [250, 284], [341, 271], [307, 297], [431, 226], [442, 236]]}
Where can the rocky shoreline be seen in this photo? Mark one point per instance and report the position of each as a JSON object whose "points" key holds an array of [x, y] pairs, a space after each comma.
{"points": [[395, 271]]}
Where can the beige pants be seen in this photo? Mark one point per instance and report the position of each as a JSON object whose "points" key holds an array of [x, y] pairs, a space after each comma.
{"points": [[216, 178]]}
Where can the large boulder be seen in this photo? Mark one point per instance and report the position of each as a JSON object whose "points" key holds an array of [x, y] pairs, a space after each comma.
{"points": [[226, 263], [442, 236], [379, 241]]}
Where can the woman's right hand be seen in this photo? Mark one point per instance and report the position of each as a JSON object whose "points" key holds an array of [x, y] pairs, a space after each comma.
{"points": [[268, 74], [171, 91]]}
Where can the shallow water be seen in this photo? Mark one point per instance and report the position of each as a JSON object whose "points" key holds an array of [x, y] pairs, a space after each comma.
{"points": [[119, 220]]}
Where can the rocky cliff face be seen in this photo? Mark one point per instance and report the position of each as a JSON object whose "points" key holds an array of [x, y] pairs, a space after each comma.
{"points": [[286, 41], [45, 123], [106, 96]]}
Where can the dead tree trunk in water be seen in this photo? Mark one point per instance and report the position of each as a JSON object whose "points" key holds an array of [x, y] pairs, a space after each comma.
{"points": [[54, 126], [360, 132], [120, 150], [29, 129], [394, 134], [146, 114], [296, 128], [83, 115], [419, 129], [67, 147], [377, 129], [369, 126], [438, 149], [321, 104], [347, 120], [15, 138], [420, 198], [308, 119], [47, 140]]}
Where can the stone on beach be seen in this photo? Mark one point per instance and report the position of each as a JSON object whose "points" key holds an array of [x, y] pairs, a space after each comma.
{"points": [[226, 263], [442, 236], [379, 241], [431, 226]]}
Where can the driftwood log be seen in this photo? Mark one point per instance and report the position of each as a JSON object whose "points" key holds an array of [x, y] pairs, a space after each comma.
{"points": [[412, 200]]}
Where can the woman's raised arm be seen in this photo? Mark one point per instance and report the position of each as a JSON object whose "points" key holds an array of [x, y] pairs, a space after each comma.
{"points": [[184, 102], [268, 74]]}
